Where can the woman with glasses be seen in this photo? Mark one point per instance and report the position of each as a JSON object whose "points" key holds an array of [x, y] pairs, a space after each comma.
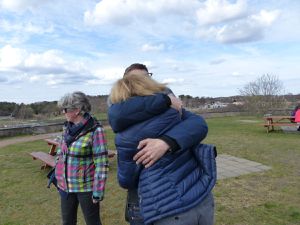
{"points": [[82, 163]]}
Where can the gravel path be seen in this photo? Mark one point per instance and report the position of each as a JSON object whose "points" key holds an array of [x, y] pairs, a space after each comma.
{"points": [[16, 140]]}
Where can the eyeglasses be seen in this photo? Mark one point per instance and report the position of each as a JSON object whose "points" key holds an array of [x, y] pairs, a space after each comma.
{"points": [[66, 110]]}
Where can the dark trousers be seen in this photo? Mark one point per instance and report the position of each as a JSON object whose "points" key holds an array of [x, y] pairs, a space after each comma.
{"points": [[69, 208], [202, 214], [132, 211]]}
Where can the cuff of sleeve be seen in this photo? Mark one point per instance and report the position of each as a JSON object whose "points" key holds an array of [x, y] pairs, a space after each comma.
{"points": [[171, 142], [97, 197]]}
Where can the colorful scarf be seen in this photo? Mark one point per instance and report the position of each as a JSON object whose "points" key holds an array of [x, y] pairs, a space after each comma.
{"points": [[72, 131]]}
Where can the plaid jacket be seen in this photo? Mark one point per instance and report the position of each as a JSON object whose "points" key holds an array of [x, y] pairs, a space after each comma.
{"points": [[84, 167]]}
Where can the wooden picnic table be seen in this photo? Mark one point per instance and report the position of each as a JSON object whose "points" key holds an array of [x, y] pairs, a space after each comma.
{"points": [[278, 121], [48, 159], [53, 145]]}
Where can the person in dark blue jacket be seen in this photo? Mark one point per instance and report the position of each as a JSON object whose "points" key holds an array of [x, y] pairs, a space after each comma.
{"points": [[152, 149], [173, 187]]}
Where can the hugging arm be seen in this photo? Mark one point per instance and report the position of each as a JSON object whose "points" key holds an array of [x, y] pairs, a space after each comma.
{"points": [[189, 132], [136, 109]]}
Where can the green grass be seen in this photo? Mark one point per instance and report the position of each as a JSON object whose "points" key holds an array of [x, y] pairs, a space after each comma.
{"points": [[270, 198], [101, 116]]}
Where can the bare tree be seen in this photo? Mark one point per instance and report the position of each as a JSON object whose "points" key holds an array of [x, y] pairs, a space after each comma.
{"points": [[263, 95], [24, 112]]}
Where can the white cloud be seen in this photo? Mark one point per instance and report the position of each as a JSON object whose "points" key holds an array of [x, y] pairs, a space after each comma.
{"points": [[149, 47], [218, 11], [11, 57], [239, 32], [19, 5], [24, 27], [248, 29], [173, 80], [121, 12], [34, 78], [217, 61], [48, 59], [266, 18], [52, 80], [236, 74], [218, 20], [51, 65], [109, 12], [250, 50], [108, 74], [32, 28]]}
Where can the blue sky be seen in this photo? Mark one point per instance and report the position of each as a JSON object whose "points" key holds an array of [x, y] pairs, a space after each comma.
{"points": [[202, 48]]}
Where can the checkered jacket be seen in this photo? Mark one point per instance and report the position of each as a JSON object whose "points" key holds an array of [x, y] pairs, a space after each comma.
{"points": [[84, 167]]}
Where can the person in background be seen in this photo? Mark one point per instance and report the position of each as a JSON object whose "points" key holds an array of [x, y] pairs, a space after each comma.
{"points": [[82, 162], [146, 117], [293, 113], [297, 116]]}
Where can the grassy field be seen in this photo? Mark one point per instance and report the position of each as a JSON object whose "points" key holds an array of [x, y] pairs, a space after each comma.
{"points": [[270, 198]]}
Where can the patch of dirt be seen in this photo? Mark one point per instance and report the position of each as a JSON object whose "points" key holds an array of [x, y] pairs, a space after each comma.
{"points": [[249, 121], [16, 140]]}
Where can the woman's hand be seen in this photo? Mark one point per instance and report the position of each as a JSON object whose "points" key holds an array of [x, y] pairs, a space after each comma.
{"points": [[96, 199], [151, 151], [176, 103]]}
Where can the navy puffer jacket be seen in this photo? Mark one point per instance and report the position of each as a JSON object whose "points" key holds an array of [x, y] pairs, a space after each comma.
{"points": [[178, 181]]}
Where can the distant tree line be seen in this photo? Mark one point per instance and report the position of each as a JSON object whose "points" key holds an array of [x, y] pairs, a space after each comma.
{"points": [[28, 111], [260, 96], [7, 108], [46, 108]]}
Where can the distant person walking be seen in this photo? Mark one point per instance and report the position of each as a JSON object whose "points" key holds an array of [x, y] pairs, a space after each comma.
{"points": [[82, 163], [293, 113], [297, 115]]}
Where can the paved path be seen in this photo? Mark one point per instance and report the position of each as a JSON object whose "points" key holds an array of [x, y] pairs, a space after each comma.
{"points": [[227, 165], [16, 140], [231, 166]]}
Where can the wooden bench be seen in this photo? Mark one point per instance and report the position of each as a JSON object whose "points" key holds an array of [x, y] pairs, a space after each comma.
{"points": [[53, 145], [270, 127], [49, 160], [278, 121]]}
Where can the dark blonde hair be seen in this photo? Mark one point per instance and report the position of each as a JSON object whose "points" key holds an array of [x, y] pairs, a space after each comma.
{"points": [[134, 85]]}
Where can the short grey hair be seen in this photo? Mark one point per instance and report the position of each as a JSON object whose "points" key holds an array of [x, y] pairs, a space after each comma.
{"points": [[75, 100]]}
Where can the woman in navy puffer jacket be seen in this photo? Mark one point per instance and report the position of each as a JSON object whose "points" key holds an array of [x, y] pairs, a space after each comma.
{"points": [[178, 186]]}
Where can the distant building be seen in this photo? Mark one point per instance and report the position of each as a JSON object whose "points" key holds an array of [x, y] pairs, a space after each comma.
{"points": [[215, 105], [238, 103]]}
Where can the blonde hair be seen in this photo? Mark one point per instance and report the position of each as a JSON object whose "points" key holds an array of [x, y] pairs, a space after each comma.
{"points": [[135, 85]]}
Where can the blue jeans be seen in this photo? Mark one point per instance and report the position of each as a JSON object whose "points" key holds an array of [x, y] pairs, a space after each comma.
{"points": [[69, 207], [132, 213], [202, 214]]}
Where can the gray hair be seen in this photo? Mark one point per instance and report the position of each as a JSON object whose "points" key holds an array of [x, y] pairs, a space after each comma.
{"points": [[77, 100]]}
